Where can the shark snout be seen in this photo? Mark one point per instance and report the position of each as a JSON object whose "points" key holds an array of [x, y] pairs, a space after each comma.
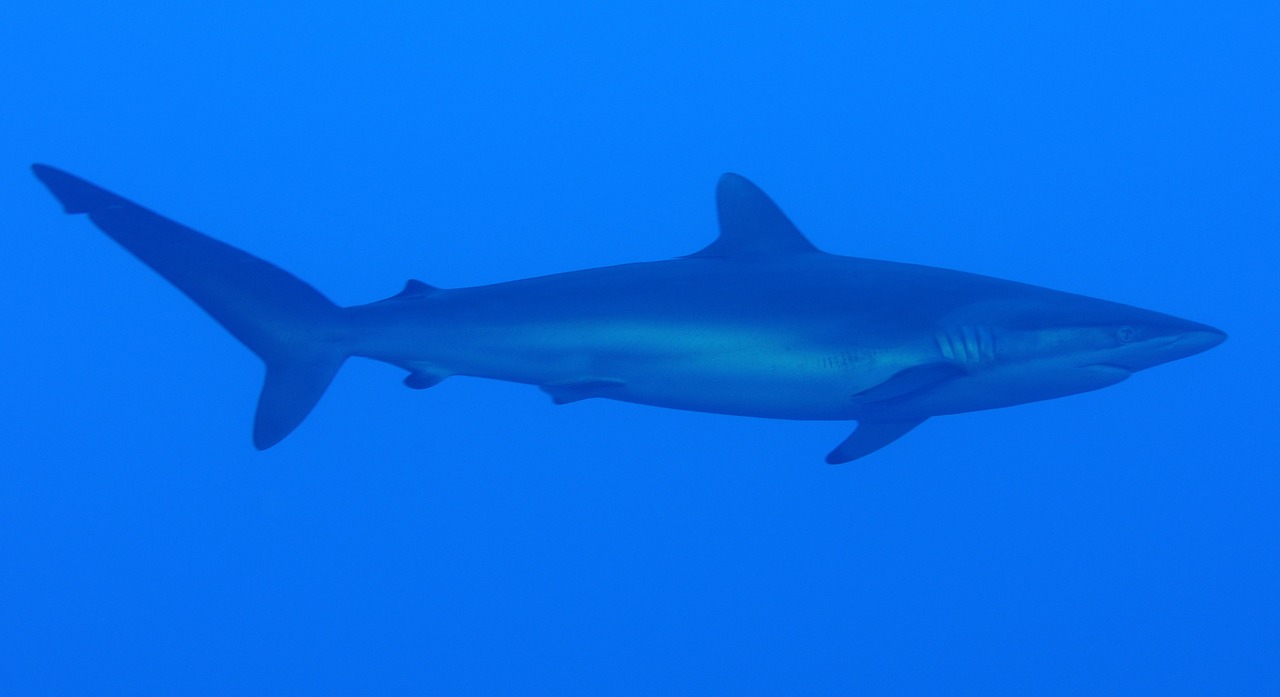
{"points": [[1176, 342], [1198, 340]]}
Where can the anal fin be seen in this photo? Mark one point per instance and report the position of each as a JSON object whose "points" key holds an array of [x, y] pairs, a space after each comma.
{"points": [[869, 437], [422, 379], [578, 389]]}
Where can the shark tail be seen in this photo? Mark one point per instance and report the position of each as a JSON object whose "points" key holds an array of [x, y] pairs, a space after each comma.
{"points": [[296, 331]]}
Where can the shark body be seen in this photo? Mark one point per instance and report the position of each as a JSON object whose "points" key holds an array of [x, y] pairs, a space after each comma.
{"points": [[759, 323]]}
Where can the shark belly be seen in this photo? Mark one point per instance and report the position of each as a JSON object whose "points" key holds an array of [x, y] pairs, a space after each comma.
{"points": [[1005, 387], [708, 362]]}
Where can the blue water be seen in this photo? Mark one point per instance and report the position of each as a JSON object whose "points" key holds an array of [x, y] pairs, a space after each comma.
{"points": [[473, 539]]}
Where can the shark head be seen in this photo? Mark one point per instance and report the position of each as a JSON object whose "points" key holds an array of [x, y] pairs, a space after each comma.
{"points": [[1149, 342], [998, 354], [1086, 333], [1046, 345]]}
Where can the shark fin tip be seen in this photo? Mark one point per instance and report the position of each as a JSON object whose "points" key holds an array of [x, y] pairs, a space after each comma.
{"points": [[75, 194]]}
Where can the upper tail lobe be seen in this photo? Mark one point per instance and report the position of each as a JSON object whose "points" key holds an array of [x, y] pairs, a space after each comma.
{"points": [[297, 332]]}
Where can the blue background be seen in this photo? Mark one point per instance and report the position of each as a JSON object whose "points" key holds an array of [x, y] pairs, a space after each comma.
{"points": [[472, 539]]}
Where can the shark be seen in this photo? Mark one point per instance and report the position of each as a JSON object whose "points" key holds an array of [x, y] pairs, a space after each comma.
{"points": [[760, 323]]}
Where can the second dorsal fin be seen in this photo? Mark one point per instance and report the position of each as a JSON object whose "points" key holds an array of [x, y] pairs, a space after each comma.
{"points": [[415, 288]]}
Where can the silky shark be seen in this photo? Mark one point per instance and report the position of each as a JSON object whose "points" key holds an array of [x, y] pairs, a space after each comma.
{"points": [[758, 323]]}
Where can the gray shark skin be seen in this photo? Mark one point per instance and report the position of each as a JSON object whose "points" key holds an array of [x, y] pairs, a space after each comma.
{"points": [[758, 323]]}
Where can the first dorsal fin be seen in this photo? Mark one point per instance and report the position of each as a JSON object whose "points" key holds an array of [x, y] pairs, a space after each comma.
{"points": [[751, 224]]}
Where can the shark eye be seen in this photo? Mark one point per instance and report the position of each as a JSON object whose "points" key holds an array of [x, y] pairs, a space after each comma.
{"points": [[1126, 334]]}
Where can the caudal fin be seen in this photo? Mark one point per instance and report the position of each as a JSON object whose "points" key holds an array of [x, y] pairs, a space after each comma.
{"points": [[296, 331]]}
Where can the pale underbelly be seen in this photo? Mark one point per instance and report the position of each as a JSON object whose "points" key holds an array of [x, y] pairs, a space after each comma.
{"points": [[748, 371], [780, 387]]}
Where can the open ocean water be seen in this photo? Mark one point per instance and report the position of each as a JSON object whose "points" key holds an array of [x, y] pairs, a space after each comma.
{"points": [[472, 539]]}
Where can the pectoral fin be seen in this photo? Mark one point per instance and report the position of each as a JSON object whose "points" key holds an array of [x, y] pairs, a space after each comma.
{"points": [[911, 381], [869, 437]]}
